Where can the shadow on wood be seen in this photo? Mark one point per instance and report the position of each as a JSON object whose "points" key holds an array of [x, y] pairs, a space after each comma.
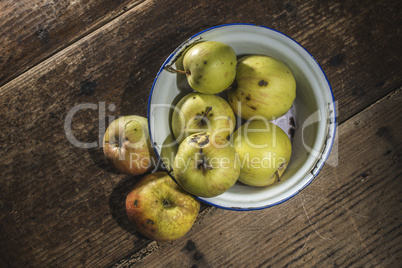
{"points": [[117, 203]]}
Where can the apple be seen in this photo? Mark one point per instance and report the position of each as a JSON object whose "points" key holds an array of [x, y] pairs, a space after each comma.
{"points": [[127, 146], [264, 152], [265, 88], [198, 112], [205, 165], [210, 66], [168, 152], [160, 209]]}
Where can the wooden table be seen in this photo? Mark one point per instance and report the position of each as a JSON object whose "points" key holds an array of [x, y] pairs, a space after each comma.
{"points": [[63, 206]]}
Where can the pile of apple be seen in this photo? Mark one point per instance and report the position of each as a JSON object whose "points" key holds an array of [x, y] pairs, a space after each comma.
{"points": [[213, 153]]}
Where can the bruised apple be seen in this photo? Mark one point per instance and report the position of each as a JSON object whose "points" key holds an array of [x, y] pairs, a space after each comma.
{"points": [[264, 151], [127, 146], [265, 88], [160, 209], [205, 165], [198, 112]]}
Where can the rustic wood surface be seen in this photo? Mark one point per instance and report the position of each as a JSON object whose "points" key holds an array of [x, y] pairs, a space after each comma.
{"points": [[63, 206], [34, 30], [349, 216]]}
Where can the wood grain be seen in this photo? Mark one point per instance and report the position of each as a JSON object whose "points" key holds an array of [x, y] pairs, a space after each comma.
{"points": [[346, 33], [31, 31], [349, 216], [64, 206]]}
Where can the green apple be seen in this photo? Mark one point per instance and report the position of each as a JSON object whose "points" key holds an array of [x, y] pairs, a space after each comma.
{"points": [[265, 88], [205, 165], [210, 66], [264, 151], [127, 146], [198, 112], [160, 209], [168, 152]]}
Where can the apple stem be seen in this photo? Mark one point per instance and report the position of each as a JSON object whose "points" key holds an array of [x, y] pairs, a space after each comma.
{"points": [[277, 171], [204, 116], [207, 110], [178, 71], [166, 203], [277, 176]]}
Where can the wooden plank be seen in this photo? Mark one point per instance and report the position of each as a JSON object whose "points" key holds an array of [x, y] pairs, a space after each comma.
{"points": [[350, 215], [64, 205], [31, 31], [347, 29], [354, 49]]}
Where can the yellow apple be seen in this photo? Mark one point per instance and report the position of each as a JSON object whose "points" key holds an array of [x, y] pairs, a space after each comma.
{"points": [[205, 165], [198, 112], [127, 146], [264, 152], [210, 66], [160, 209], [265, 88]]}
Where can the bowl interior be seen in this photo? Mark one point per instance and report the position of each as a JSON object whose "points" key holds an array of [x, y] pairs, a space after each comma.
{"points": [[314, 108]]}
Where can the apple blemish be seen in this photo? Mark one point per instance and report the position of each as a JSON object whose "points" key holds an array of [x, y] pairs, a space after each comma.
{"points": [[202, 162], [263, 83]]}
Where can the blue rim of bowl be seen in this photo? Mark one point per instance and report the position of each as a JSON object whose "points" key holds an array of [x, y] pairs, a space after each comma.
{"points": [[174, 53]]}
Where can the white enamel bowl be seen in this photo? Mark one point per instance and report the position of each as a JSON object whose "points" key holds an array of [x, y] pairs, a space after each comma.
{"points": [[314, 109]]}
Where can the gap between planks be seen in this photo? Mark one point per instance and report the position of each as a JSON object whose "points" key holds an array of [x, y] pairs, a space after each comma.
{"points": [[74, 43], [153, 246], [394, 91]]}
